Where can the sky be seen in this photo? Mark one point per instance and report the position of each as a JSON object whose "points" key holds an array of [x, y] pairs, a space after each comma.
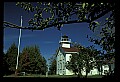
{"points": [[47, 40]]}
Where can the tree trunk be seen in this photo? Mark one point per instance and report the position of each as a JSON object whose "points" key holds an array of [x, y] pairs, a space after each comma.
{"points": [[101, 70], [109, 68], [98, 67], [16, 72], [86, 74], [79, 73]]}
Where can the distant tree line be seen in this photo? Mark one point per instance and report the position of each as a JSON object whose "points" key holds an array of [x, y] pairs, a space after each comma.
{"points": [[31, 60], [52, 65]]}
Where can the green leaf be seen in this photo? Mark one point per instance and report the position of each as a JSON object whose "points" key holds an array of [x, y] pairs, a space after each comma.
{"points": [[35, 15], [49, 3], [46, 10], [26, 8], [85, 17], [83, 5], [62, 25], [106, 18], [92, 5], [101, 3], [87, 4], [97, 23], [29, 8], [40, 14], [17, 3]]}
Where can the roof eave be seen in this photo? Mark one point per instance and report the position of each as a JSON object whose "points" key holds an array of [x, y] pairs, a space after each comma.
{"points": [[71, 52]]}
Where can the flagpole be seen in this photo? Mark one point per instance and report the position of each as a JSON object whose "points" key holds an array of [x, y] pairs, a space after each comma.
{"points": [[18, 49]]}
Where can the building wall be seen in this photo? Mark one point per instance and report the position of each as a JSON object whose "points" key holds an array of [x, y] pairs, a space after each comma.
{"points": [[61, 61], [68, 72], [95, 71], [68, 57], [60, 64], [105, 69], [66, 45]]}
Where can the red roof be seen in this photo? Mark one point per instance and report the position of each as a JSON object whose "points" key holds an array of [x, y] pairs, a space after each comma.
{"points": [[72, 49]]}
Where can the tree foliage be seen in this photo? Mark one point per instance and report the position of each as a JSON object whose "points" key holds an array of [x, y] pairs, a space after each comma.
{"points": [[53, 65], [44, 68], [31, 60], [56, 14], [107, 36], [5, 70], [11, 57], [84, 61], [89, 58], [100, 63], [75, 64]]}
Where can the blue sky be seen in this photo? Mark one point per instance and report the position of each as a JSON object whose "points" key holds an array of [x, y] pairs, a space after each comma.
{"points": [[47, 40]]}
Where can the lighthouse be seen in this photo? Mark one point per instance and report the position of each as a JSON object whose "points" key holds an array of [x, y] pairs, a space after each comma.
{"points": [[63, 55]]}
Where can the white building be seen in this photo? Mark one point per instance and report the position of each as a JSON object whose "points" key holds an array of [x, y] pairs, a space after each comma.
{"points": [[63, 55]]}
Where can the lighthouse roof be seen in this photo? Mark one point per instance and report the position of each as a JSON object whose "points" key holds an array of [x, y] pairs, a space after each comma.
{"points": [[71, 49], [64, 36]]}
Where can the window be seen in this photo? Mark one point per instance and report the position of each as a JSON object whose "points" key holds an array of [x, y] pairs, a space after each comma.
{"points": [[105, 66], [63, 66], [60, 66], [64, 39]]}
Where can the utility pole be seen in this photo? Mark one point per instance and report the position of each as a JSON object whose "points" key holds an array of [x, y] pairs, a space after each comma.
{"points": [[18, 50]]}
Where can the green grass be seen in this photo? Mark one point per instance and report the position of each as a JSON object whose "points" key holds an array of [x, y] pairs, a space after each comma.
{"points": [[42, 76], [53, 76], [95, 76]]}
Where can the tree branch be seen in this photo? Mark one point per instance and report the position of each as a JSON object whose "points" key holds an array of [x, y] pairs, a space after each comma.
{"points": [[54, 24], [102, 14], [11, 25], [31, 28]]}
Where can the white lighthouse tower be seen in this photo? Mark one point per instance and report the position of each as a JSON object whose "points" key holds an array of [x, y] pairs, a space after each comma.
{"points": [[65, 42]]}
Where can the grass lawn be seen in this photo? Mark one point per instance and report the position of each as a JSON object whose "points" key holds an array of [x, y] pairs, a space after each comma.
{"points": [[95, 76], [53, 76]]}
